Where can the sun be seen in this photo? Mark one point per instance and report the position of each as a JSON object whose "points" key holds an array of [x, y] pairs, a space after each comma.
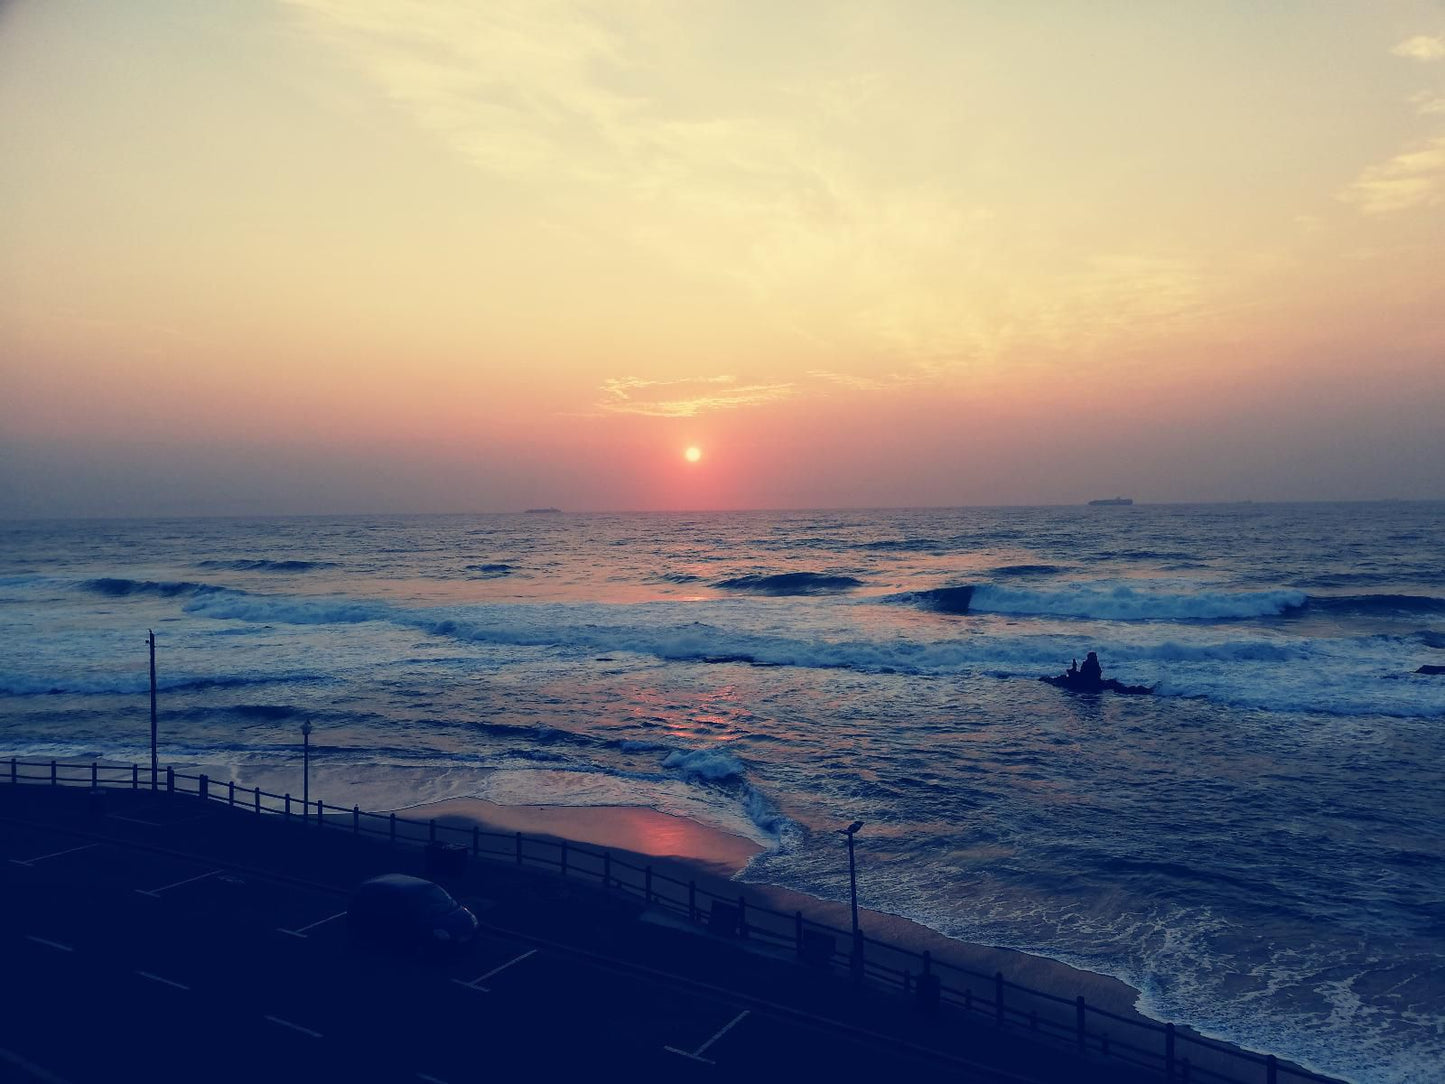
{"points": [[693, 454]]}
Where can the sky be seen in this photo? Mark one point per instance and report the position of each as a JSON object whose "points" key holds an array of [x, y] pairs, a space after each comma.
{"points": [[365, 256]]}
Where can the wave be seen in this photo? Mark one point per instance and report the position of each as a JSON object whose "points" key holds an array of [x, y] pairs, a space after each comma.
{"points": [[133, 684], [1118, 602], [239, 565], [119, 588], [1377, 604], [1025, 570], [791, 583], [493, 569]]}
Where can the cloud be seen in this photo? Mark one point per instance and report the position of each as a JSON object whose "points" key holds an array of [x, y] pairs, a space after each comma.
{"points": [[1414, 178], [621, 396], [1421, 47], [1428, 103]]}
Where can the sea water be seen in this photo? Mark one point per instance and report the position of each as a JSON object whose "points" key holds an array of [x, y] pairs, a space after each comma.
{"points": [[1257, 847]]}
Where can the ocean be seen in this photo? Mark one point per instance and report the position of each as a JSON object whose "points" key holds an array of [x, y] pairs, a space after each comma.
{"points": [[1257, 848]]}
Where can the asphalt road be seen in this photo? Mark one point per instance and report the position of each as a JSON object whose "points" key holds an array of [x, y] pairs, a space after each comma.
{"points": [[131, 952]]}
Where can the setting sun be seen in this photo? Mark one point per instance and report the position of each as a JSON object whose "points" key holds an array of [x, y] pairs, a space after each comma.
{"points": [[692, 455]]}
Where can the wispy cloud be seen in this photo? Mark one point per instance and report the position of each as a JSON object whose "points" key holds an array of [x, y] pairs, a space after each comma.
{"points": [[1428, 103], [661, 398], [1414, 178], [1421, 47]]}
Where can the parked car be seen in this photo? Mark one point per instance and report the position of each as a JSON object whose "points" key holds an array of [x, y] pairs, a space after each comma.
{"points": [[403, 912]]}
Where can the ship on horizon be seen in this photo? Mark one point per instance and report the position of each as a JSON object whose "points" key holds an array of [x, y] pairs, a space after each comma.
{"points": [[1112, 500]]}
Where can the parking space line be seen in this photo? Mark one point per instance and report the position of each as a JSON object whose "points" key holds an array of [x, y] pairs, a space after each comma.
{"points": [[301, 933], [293, 1027], [56, 854], [475, 984], [697, 1055], [164, 888], [25, 1065], [162, 981], [47, 941]]}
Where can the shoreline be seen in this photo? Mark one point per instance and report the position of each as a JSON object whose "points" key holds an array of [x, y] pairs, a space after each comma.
{"points": [[686, 849]]}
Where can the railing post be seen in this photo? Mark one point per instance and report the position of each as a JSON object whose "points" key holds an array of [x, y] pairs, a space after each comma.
{"points": [[231, 792], [1080, 1034], [52, 773], [431, 828], [320, 813], [692, 901], [927, 962], [519, 848], [355, 818], [742, 916], [288, 807], [203, 787], [798, 931], [258, 799], [134, 776], [94, 775], [392, 826], [998, 997], [170, 780], [564, 858], [1271, 1070], [607, 871], [1168, 1051]]}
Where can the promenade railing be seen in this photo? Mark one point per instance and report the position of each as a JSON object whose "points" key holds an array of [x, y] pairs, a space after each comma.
{"points": [[1176, 1053]]}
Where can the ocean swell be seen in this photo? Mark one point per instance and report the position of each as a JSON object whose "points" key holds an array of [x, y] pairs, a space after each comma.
{"points": [[791, 583]]}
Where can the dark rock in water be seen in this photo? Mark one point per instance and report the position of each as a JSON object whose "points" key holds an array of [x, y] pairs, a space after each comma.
{"points": [[1428, 669], [1089, 678]]}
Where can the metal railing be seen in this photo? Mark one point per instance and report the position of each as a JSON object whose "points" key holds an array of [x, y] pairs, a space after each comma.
{"points": [[1177, 1053]]}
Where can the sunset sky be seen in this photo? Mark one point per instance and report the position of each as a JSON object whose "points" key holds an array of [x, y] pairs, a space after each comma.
{"points": [[290, 256]]}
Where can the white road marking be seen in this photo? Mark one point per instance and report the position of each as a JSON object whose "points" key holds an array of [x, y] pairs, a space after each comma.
{"points": [[30, 1067], [56, 854], [163, 981], [188, 880], [429, 1078], [52, 944], [294, 1027], [697, 1055], [301, 933], [474, 984]]}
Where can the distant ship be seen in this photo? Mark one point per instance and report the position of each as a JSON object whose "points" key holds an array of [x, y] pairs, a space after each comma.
{"points": [[543, 511], [1113, 500]]}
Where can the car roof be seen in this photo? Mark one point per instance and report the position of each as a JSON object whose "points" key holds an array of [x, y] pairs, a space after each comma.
{"points": [[397, 882]]}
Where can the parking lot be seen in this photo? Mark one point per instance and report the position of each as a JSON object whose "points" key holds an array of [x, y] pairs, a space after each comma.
{"points": [[129, 951]]}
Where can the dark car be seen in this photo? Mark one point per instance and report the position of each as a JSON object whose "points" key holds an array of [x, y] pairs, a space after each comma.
{"points": [[402, 912]]}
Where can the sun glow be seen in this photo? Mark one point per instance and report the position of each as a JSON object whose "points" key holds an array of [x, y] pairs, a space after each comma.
{"points": [[693, 454]]}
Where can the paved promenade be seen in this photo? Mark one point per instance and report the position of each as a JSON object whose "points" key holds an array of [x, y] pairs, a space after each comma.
{"points": [[166, 938]]}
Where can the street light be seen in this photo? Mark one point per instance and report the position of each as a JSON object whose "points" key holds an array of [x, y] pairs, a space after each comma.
{"points": [[850, 832], [155, 767], [305, 769]]}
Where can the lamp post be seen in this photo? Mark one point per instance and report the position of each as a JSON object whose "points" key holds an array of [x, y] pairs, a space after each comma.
{"points": [[155, 767], [850, 832], [305, 769]]}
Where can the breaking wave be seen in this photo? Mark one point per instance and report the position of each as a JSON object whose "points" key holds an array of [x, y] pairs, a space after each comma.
{"points": [[1117, 602], [119, 588]]}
